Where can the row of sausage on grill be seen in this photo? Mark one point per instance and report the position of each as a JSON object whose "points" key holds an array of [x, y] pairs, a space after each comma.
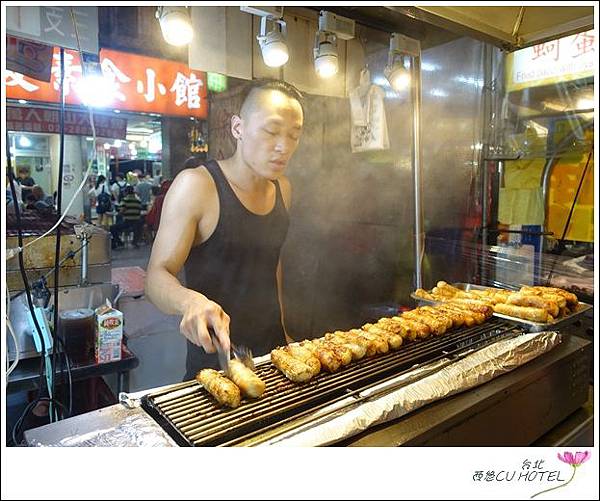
{"points": [[302, 361]]}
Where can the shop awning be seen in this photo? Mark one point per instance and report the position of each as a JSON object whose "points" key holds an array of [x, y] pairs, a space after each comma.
{"points": [[509, 27]]}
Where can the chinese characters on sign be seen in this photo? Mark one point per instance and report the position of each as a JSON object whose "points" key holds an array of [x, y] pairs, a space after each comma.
{"points": [[76, 123], [130, 82], [54, 26], [567, 58]]}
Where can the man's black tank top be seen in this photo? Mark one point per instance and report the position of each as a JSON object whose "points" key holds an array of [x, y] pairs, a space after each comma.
{"points": [[236, 267]]}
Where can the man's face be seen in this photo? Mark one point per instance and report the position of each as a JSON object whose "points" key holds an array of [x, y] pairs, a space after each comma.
{"points": [[270, 131]]}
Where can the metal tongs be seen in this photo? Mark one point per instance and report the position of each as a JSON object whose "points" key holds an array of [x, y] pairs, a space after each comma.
{"points": [[240, 352]]}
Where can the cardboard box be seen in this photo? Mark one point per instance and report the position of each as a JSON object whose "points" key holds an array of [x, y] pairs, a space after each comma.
{"points": [[109, 334]]}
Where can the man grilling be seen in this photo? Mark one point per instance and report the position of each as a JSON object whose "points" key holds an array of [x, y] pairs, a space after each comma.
{"points": [[225, 223]]}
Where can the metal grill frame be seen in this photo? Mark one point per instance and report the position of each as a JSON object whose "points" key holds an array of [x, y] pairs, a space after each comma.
{"points": [[192, 417]]}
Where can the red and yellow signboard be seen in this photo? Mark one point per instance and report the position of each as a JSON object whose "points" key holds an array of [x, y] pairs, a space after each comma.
{"points": [[130, 83], [77, 123], [565, 59]]}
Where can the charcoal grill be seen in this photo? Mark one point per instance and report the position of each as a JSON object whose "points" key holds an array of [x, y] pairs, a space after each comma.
{"points": [[192, 417]]}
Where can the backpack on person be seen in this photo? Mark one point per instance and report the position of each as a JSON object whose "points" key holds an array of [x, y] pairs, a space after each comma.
{"points": [[103, 202], [122, 191]]}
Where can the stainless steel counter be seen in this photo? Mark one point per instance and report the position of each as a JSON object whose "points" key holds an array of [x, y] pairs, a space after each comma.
{"points": [[537, 396]]}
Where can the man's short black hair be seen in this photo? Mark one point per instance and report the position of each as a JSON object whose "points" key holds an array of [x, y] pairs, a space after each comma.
{"points": [[270, 84]]}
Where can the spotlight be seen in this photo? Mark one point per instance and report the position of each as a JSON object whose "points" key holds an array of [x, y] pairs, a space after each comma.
{"points": [[175, 25], [326, 56], [396, 71], [331, 27], [272, 44], [398, 76]]}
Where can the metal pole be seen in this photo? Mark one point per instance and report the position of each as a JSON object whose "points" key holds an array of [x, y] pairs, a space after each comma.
{"points": [[416, 161], [84, 261], [488, 140]]}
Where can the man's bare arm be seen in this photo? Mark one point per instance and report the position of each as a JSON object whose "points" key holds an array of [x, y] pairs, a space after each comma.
{"points": [[181, 213]]}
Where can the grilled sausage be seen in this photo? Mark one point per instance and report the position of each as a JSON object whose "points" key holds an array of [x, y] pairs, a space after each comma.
{"points": [[380, 343], [424, 294], [569, 296], [394, 340], [328, 358], [358, 345], [452, 320], [247, 381], [224, 391], [357, 336], [524, 312], [468, 319], [420, 329], [291, 367], [436, 326], [551, 296], [339, 337], [522, 299], [304, 355]]}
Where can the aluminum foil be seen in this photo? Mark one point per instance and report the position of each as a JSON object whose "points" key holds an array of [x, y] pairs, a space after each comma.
{"points": [[471, 371], [131, 429]]}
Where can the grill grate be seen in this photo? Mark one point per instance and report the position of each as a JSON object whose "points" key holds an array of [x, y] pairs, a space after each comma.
{"points": [[193, 418]]}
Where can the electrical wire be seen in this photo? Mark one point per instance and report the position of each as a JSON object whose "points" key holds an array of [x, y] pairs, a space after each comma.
{"points": [[20, 248], [11, 177], [12, 333], [61, 159], [17, 427], [68, 364], [16, 361]]}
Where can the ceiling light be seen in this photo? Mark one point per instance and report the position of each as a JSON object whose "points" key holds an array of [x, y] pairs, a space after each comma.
{"points": [[331, 27], [175, 24], [326, 56], [107, 146], [117, 143], [272, 44], [24, 142], [396, 71], [22, 101]]}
